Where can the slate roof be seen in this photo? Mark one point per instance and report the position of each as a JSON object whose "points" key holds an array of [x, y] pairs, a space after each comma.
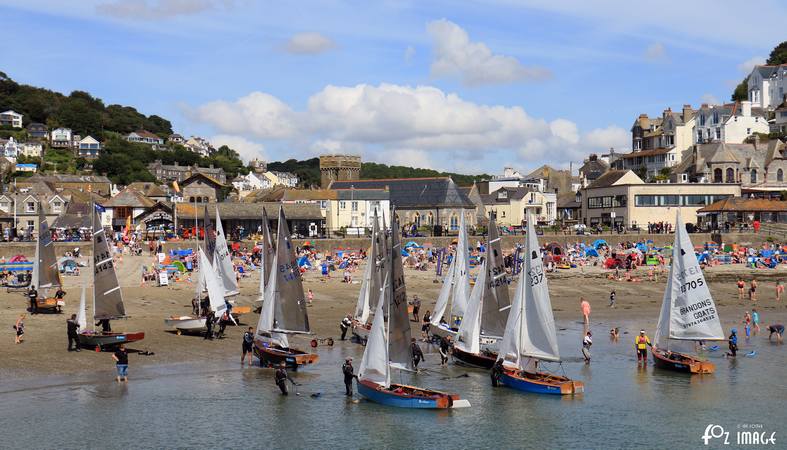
{"points": [[740, 204], [513, 193], [131, 198], [415, 193], [148, 189], [250, 211], [608, 179]]}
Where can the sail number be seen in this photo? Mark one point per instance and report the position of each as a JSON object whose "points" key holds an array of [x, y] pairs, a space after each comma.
{"points": [[100, 267], [693, 284], [290, 271], [499, 277], [536, 276]]}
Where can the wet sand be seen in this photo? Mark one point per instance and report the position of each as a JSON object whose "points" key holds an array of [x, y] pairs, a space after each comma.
{"points": [[43, 352]]}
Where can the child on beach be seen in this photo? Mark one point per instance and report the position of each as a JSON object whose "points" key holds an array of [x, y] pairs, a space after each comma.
{"points": [[755, 322], [779, 290], [20, 329], [747, 324], [585, 306], [612, 299]]}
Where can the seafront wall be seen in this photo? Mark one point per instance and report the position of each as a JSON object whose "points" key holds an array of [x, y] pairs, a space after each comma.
{"points": [[9, 249]]}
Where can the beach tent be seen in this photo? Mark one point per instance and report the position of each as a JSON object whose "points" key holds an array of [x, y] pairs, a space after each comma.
{"points": [[18, 259], [642, 247], [412, 244], [591, 252], [598, 243], [555, 249], [303, 261]]}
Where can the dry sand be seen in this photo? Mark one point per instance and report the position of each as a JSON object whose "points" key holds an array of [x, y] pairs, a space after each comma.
{"points": [[44, 354]]}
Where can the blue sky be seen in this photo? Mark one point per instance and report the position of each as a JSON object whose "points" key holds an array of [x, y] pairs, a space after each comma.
{"points": [[464, 86]]}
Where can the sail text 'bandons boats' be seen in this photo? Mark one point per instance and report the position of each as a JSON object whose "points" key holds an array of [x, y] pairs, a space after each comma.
{"points": [[688, 312], [283, 308], [488, 308], [389, 346], [530, 335], [107, 296]]}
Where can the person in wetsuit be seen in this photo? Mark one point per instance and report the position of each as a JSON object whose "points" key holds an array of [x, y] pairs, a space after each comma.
{"points": [[733, 343], [497, 372], [349, 374], [281, 376], [418, 355], [445, 346]]}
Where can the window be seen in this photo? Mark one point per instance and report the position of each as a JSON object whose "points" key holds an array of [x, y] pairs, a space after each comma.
{"points": [[702, 120], [323, 204], [748, 130], [715, 117], [5, 206], [646, 200], [342, 205], [57, 206], [670, 200], [30, 207], [503, 214], [354, 206], [699, 135], [694, 200], [780, 175], [718, 132], [717, 175], [31, 224], [730, 178], [753, 175]]}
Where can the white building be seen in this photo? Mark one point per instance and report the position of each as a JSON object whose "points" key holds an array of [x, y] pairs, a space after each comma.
{"points": [[88, 148], [10, 147], [281, 178], [199, 145], [144, 137], [731, 123], [61, 138], [767, 86], [31, 149], [251, 182], [11, 118]]}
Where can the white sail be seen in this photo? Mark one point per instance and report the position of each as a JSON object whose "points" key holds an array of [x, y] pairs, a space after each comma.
{"points": [[461, 273], [212, 282], [82, 313], [265, 322], [445, 294], [692, 312], [374, 365], [456, 284], [469, 336], [362, 306], [530, 328], [222, 260]]}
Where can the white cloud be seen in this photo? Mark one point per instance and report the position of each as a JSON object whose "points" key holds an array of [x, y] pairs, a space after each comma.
{"points": [[474, 62], [405, 123], [710, 99], [656, 52], [747, 66], [610, 137], [309, 44], [157, 9], [247, 149]]}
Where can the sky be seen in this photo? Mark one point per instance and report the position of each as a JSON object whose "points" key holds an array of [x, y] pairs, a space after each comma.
{"points": [[469, 87]]}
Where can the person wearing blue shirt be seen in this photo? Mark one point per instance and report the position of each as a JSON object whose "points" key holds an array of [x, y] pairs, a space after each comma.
{"points": [[733, 343]]}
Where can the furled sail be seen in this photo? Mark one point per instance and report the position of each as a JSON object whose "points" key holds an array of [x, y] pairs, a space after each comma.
{"points": [[456, 284], [210, 239], [370, 285], [496, 298], [530, 329], [374, 365], [290, 305], [108, 298], [268, 252], [81, 312], [222, 260], [400, 352], [213, 284], [688, 311], [469, 336]]}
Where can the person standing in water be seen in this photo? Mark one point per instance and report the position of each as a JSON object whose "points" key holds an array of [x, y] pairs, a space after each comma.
{"points": [[121, 362], [778, 330], [779, 290], [753, 290], [445, 347], [248, 341], [425, 326], [345, 325], [281, 376], [641, 344], [733, 343], [741, 284], [418, 355], [612, 299], [349, 374], [587, 341], [755, 322]]}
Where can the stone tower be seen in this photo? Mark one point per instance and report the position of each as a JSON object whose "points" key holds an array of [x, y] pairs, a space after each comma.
{"points": [[339, 168]]}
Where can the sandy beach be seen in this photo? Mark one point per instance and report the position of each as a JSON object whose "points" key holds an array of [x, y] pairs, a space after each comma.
{"points": [[43, 352]]}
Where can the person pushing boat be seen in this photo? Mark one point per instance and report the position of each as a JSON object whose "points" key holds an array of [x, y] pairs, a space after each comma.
{"points": [[641, 344], [248, 343], [418, 355], [349, 375]]}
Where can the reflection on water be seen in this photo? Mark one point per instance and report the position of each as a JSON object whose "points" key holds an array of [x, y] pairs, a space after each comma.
{"points": [[222, 405]]}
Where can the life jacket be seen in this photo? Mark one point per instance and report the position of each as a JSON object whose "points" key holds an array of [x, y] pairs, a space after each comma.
{"points": [[642, 342]]}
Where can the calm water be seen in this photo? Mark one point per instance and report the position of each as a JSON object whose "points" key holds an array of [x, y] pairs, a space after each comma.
{"points": [[221, 405]]}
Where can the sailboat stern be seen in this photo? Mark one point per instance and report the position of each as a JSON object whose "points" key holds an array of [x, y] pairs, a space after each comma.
{"points": [[404, 396], [572, 387]]}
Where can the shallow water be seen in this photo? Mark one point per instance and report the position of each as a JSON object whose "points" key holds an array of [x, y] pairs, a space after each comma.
{"points": [[221, 406]]}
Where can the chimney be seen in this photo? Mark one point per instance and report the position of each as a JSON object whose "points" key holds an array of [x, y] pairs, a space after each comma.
{"points": [[688, 113], [746, 108]]}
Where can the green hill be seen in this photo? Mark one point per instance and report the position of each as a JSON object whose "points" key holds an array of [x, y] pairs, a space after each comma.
{"points": [[308, 171]]}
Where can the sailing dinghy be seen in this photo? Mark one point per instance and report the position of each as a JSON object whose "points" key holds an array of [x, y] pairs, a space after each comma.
{"points": [[389, 346], [530, 335], [266, 258], [370, 285], [688, 312], [456, 288], [283, 308], [210, 279], [107, 296], [222, 260], [46, 275], [487, 311]]}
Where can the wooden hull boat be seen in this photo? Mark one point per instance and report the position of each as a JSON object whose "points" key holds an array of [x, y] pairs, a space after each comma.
{"points": [[484, 360], [186, 323], [273, 355], [680, 362], [361, 330], [50, 305], [541, 383], [402, 396], [101, 341]]}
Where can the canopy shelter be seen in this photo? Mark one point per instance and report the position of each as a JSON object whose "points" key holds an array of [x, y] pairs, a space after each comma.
{"points": [[746, 210]]}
